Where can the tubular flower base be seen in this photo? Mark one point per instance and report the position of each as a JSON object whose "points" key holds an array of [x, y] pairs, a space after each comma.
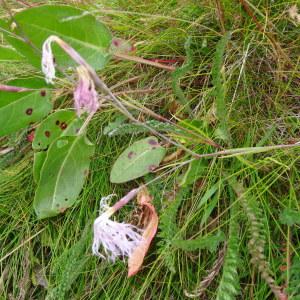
{"points": [[85, 95]]}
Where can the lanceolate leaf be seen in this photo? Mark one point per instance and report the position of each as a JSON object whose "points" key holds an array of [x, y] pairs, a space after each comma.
{"points": [[55, 125], [62, 175], [19, 110], [139, 159], [78, 28]]}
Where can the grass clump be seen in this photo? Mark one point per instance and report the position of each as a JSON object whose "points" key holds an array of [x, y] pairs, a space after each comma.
{"points": [[240, 91]]}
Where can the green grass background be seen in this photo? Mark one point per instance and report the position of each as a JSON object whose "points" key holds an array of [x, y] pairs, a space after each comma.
{"points": [[257, 103]]}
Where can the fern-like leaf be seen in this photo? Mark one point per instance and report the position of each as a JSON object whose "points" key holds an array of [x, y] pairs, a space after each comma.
{"points": [[68, 267], [294, 282], [257, 238], [219, 85], [169, 229], [229, 284]]}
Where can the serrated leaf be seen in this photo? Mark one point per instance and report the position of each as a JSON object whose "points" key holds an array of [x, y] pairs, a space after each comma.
{"points": [[55, 125], [289, 217], [81, 30], [62, 175], [19, 110], [137, 160], [39, 158], [210, 242], [9, 54]]}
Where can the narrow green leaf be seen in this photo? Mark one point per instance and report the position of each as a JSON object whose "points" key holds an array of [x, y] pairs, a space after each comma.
{"points": [[137, 160], [197, 168], [39, 158], [62, 175], [180, 72], [81, 30]]}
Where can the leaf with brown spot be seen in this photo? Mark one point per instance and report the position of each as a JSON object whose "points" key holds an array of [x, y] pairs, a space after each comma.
{"points": [[150, 220]]}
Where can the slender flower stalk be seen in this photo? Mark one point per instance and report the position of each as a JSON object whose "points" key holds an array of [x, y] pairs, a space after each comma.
{"points": [[116, 239]]}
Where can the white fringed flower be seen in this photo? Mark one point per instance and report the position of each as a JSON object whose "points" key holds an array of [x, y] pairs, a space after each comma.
{"points": [[85, 95], [115, 239], [48, 66]]}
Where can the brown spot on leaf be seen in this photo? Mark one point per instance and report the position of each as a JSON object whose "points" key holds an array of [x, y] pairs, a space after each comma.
{"points": [[152, 167], [62, 209], [43, 93], [152, 142], [57, 122], [116, 42], [63, 125], [29, 111], [131, 154], [47, 133]]}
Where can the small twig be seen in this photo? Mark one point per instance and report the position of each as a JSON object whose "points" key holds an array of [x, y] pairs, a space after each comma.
{"points": [[21, 245], [211, 275], [6, 150], [277, 48], [141, 91], [86, 123], [129, 80], [143, 61], [221, 15], [24, 3]]}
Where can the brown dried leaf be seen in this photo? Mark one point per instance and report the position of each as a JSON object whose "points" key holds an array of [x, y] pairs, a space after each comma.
{"points": [[150, 221]]}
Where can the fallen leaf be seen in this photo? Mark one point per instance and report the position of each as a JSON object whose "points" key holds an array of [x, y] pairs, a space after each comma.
{"points": [[150, 221]]}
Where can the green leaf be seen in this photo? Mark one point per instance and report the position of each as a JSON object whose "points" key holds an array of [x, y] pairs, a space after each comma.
{"points": [[62, 175], [137, 160], [9, 54], [209, 242], [39, 158], [197, 168], [289, 217], [81, 30], [55, 125], [180, 72], [19, 110], [218, 79]]}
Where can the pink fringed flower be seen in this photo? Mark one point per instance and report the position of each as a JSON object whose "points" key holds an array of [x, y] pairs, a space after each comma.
{"points": [[85, 95], [115, 239]]}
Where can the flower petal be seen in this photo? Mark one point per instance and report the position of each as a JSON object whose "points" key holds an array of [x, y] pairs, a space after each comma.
{"points": [[150, 217]]}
